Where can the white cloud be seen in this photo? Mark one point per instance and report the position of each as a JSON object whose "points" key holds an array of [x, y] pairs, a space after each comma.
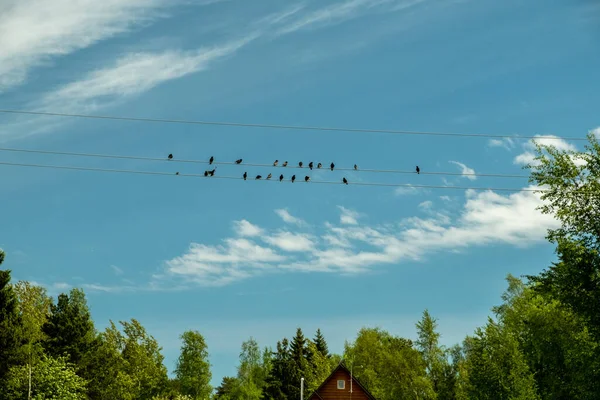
{"points": [[466, 172], [506, 143], [528, 155], [343, 11], [34, 31], [427, 204], [596, 132], [487, 217], [289, 218], [407, 190], [348, 217], [245, 228], [117, 270], [289, 241]]}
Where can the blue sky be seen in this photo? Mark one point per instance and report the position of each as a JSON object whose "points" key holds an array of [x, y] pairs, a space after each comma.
{"points": [[236, 259]]}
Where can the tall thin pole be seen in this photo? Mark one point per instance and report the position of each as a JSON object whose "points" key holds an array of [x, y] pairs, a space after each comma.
{"points": [[301, 388]]}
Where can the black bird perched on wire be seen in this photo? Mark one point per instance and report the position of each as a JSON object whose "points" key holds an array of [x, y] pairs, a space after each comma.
{"points": [[418, 170], [205, 173], [176, 173], [211, 160], [212, 173], [275, 163], [345, 180], [269, 176], [300, 164], [332, 166], [245, 175], [285, 163], [310, 165], [238, 161], [280, 177], [306, 178], [170, 157], [258, 177], [293, 178], [319, 165], [355, 167]]}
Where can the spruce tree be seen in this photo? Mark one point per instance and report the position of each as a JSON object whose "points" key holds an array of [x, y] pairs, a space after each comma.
{"points": [[70, 328], [276, 382], [321, 344], [10, 323]]}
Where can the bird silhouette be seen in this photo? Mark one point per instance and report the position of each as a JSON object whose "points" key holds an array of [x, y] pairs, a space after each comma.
{"points": [[245, 175], [345, 180], [205, 173], [285, 163], [238, 161], [212, 173], [300, 164], [319, 165], [176, 173], [355, 167], [170, 157], [293, 178], [306, 178], [418, 170], [332, 166], [269, 176], [211, 160], [280, 177], [275, 163], [258, 177], [310, 165]]}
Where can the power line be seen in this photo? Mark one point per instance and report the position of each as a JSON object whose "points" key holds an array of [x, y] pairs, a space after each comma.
{"points": [[174, 160], [292, 127], [300, 182]]}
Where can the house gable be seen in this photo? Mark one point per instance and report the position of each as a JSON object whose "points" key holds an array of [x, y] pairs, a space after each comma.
{"points": [[331, 390]]}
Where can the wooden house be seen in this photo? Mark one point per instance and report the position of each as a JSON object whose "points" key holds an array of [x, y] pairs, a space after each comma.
{"points": [[341, 385]]}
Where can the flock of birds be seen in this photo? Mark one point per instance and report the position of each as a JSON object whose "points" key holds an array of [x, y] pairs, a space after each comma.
{"points": [[275, 164]]}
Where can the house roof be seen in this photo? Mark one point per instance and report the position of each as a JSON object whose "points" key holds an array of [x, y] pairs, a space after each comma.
{"points": [[342, 366]]}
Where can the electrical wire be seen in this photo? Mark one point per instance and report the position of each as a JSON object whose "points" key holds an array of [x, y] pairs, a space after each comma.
{"points": [[291, 127], [300, 182], [174, 160]]}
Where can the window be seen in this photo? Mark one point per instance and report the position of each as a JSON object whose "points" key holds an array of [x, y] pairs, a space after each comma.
{"points": [[341, 384]]}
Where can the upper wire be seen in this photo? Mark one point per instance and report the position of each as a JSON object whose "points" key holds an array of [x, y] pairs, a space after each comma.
{"points": [[291, 127]]}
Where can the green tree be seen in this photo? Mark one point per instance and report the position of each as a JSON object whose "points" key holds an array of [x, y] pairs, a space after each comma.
{"points": [[52, 379], [226, 389], [496, 367], [390, 367], [571, 184], [33, 308], [193, 368], [10, 322], [433, 354], [69, 329], [275, 385], [321, 343], [320, 368]]}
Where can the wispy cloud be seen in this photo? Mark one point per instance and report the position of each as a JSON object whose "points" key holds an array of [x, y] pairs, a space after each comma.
{"points": [[506, 143], [117, 270], [348, 217], [528, 155], [32, 32], [407, 190], [486, 217], [341, 12], [245, 228], [289, 218], [466, 172]]}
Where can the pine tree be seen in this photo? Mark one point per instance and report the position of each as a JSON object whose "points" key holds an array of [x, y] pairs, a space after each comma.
{"points": [[299, 365], [10, 323], [321, 343]]}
